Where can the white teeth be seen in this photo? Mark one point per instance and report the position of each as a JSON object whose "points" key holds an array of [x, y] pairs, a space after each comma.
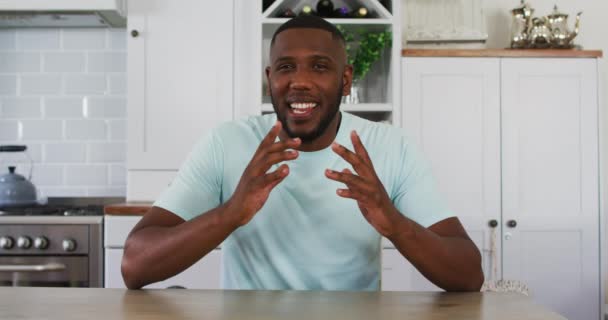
{"points": [[302, 105]]}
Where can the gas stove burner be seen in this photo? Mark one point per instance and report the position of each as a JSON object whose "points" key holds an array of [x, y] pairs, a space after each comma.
{"points": [[53, 210]]}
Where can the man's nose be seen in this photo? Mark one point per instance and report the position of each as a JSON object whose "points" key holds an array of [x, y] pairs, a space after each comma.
{"points": [[300, 80]]}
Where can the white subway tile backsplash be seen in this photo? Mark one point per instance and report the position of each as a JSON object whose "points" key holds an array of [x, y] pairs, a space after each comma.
{"points": [[63, 108], [65, 152], [84, 39], [8, 84], [107, 152], [19, 62], [118, 175], [85, 84], [107, 192], [107, 62], [64, 62], [34, 151], [7, 39], [118, 129], [47, 175], [86, 129], [41, 84], [63, 94], [38, 39], [87, 175], [102, 107], [42, 130], [9, 130], [118, 39], [118, 84], [20, 107]]}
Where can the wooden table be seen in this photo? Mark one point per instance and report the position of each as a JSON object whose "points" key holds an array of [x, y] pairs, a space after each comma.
{"points": [[112, 304]]}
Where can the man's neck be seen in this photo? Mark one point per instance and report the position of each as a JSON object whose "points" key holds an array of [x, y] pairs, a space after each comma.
{"points": [[324, 140]]}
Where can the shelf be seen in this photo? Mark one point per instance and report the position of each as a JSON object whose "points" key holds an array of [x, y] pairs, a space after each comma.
{"points": [[375, 6], [362, 21], [361, 107]]}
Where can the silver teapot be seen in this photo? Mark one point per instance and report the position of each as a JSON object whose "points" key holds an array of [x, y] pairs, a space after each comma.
{"points": [[520, 25], [558, 22], [541, 35]]}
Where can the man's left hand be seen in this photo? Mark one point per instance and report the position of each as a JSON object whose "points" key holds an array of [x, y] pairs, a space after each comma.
{"points": [[365, 187]]}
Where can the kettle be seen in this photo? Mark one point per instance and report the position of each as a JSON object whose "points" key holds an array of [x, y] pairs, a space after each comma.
{"points": [[15, 189], [562, 37]]}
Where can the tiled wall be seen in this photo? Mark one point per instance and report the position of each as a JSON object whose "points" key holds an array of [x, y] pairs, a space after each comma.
{"points": [[63, 94]]}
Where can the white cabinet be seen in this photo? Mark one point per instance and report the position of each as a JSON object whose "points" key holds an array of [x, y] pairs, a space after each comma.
{"points": [[205, 274], [515, 141], [180, 71]]}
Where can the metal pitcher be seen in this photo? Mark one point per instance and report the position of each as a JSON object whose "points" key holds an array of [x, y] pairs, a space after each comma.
{"points": [[520, 25], [541, 35]]}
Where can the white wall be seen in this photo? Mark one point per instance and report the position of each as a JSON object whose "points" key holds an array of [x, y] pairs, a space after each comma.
{"points": [[63, 94]]}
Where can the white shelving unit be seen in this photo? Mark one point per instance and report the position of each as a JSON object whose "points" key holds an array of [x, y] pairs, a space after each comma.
{"points": [[380, 89]]}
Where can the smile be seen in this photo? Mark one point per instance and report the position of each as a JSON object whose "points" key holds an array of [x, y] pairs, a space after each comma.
{"points": [[302, 108]]}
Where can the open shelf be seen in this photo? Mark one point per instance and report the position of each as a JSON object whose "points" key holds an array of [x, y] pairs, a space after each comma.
{"points": [[376, 9]]}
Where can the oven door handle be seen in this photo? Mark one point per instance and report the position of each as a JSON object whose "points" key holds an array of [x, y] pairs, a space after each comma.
{"points": [[33, 267]]}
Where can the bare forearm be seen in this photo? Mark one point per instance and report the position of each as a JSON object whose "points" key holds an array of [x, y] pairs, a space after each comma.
{"points": [[452, 263], [156, 253]]}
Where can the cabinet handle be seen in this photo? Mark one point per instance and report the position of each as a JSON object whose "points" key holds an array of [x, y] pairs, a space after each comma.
{"points": [[134, 33], [511, 223], [493, 223]]}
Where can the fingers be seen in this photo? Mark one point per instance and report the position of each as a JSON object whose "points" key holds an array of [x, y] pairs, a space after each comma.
{"points": [[275, 177], [359, 148], [271, 136], [350, 157], [270, 159], [283, 145], [355, 183]]}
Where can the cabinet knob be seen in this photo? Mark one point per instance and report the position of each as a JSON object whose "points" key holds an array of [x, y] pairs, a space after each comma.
{"points": [[134, 33], [511, 223], [493, 223]]}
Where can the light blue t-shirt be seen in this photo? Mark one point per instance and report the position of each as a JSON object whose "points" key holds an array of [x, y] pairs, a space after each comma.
{"points": [[305, 236]]}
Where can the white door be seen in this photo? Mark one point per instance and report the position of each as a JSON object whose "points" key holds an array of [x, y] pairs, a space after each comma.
{"points": [[451, 108], [550, 181], [180, 77]]}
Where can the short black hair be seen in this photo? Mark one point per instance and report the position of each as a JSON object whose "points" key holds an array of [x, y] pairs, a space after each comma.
{"points": [[309, 22]]}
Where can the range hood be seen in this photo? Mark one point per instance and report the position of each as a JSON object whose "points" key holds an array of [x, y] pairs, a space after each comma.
{"points": [[63, 13]]}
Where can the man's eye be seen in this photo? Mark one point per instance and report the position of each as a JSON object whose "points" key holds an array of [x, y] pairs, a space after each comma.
{"points": [[320, 67], [285, 67]]}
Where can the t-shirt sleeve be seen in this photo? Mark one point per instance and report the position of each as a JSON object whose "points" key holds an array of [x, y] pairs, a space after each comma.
{"points": [[416, 195], [197, 187]]}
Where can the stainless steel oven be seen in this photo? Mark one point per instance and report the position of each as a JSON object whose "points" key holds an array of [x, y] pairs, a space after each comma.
{"points": [[52, 246]]}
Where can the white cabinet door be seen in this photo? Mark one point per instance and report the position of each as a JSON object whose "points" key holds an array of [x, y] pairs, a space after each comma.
{"points": [[180, 69], [550, 181], [451, 108], [205, 274]]}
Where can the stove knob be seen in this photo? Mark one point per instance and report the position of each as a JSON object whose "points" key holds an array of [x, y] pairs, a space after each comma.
{"points": [[68, 245], [24, 242], [41, 243], [6, 242]]}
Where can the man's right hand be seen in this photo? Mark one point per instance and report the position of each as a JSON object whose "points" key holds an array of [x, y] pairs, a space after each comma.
{"points": [[255, 185]]}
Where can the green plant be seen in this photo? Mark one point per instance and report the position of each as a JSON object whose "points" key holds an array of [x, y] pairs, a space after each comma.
{"points": [[364, 48]]}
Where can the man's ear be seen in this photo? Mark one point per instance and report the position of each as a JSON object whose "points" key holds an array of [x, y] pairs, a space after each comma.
{"points": [[347, 79], [268, 81]]}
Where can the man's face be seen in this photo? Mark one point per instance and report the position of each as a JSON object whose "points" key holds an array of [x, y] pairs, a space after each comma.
{"points": [[307, 78]]}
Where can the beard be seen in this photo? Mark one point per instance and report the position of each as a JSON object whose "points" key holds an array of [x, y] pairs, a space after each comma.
{"points": [[321, 127]]}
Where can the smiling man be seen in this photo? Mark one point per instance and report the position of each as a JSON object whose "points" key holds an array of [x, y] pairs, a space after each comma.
{"points": [[300, 199]]}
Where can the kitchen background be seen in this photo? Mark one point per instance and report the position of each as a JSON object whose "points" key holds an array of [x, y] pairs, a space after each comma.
{"points": [[63, 94]]}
